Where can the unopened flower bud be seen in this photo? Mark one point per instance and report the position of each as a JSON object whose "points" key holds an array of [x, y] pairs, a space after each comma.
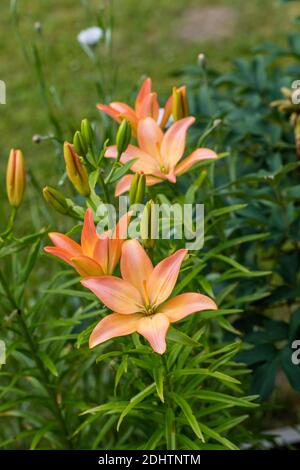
{"points": [[37, 138], [38, 27], [79, 144], [56, 199], [87, 134], [123, 136], [180, 107], [15, 178], [149, 225], [76, 170], [137, 189], [202, 60]]}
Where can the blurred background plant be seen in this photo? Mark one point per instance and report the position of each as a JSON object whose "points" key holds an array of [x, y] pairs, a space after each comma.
{"points": [[250, 262]]}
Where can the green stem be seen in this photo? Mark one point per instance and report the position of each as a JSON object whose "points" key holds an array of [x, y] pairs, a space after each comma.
{"points": [[114, 167], [104, 187], [169, 403], [10, 224], [34, 351]]}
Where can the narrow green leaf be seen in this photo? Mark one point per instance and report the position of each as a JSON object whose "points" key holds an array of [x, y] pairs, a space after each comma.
{"points": [[189, 415], [158, 375], [48, 363], [135, 401]]}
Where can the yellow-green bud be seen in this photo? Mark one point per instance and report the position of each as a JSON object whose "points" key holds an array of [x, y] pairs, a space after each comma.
{"points": [[149, 225], [180, 107], [15, 178], [56, 199], [87, 133], [76, 170], [123, 136], [137, 189], [79, 144]]}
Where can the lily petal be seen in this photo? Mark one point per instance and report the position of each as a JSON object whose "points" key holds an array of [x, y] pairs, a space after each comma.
{"points": [[117, 240], [143, 92], [60, 253], [145, 163], [124, 111], [113, 325], [101, 254], [150, 136], [89, 235], [115, 293], [164, 276], [154, 328], [167, 112], [152, 180], [183, 305], [123, 185], [87, 266], [149, 107], [109, 111], [136, 266], [65, 243], [195, 157], [173, 143]]}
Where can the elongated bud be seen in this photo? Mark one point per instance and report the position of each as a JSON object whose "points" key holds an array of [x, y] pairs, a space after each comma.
{"points": [[149, 225], [56, 199], [180, 107], [79, 144], [87, 134], [15, 178], [137, 189], [76, 170], [123, 136]]}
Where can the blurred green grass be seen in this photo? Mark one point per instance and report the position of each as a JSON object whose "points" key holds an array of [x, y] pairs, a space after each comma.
{"points": [[147, 40]]}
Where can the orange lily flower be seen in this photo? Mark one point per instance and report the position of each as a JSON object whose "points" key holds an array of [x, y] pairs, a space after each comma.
{"points": [[146, 105], [96, 255], [139, 300], [158, 155]]}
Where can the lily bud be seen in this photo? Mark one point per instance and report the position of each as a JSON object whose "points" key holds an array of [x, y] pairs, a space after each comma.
{"points": [[76, 170], [15, 178], [123, 136], [180, 107], [79, 144], [137, 189], [87, 134], [56, 199], [149, 225]]}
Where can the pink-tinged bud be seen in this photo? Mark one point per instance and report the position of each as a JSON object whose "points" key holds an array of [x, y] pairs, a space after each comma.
{"points": [[15, 178], [76, 170], [180, 107]]}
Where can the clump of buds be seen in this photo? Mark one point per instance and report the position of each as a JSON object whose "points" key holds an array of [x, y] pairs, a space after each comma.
{"points": [[123, 136], [137, 189], [15, 178], [76, 170], [149, 225]]}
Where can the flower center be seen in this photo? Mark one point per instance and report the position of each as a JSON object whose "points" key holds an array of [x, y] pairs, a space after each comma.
{"points": [[149, 309]]}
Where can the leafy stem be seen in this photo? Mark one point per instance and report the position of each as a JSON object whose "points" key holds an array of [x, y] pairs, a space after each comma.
{"points": [[170, 417], [35, 354]]}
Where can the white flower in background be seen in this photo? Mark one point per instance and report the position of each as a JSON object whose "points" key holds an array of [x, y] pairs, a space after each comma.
{"points": [[90, 36]]}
